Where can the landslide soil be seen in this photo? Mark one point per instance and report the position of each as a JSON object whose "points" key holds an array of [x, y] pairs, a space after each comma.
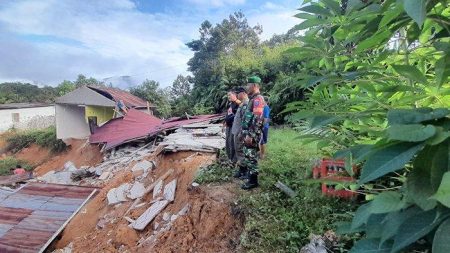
{"points": [[211, 225]]}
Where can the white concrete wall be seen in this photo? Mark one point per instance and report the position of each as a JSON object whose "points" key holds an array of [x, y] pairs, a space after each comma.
{"points": [[25, 114], [70, 122]]}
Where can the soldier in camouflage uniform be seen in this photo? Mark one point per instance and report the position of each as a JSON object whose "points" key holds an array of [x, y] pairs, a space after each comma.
{"points": [[252, 124]]}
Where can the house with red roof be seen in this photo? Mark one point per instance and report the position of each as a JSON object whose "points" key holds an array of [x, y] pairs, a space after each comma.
{"points": [[80, 112]]}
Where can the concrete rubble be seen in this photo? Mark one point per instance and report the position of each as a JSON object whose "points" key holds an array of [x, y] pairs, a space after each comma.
{"points": [[136, 191], [140, 161], [117, 195], [198, 137]]}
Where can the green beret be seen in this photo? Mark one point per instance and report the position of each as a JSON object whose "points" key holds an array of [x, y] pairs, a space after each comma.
{"points": [[254, 79]]}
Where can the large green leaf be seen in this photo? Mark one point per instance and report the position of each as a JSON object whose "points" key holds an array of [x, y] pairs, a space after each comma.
{"points": [[394, 220], [322, 120], [441, 241], [440, 136], [361, 216], [385, 202], [371, 246], [333, 5], [387, 160], [374, 227], [389, 16], [411, 133], [418, 183], [442, 69], [316, 9], [415, 228], [374, 41], [440, 164], [416, 9], [310, 23], [414, 116], [358, 152], [443, 193], [410, 72]]}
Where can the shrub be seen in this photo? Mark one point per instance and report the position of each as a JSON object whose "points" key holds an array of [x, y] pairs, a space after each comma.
{"points": [[11, 162], [44, 138]]}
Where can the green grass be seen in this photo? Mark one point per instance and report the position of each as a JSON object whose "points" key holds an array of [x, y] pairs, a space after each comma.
{"points": [[11, 163], [275, 222], [220, 171], [44, 138]]}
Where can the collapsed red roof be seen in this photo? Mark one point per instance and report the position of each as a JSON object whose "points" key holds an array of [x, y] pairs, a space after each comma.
{"points": [[128, 99], [138, 125]]}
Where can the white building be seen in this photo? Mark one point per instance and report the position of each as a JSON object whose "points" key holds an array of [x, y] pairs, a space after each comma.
{"points": [[21, 115]]}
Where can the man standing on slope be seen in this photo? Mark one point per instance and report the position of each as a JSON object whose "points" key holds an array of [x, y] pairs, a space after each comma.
{"points": [[229, 118], [252, 124], [236, 130]]}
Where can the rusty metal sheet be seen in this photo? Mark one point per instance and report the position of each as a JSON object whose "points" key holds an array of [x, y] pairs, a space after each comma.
{"points": [[57, 190], [31, 217]]}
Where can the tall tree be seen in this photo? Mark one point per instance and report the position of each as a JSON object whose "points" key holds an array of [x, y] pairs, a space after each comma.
{"points": [[215, 40], [84, 81], [149, 90]]}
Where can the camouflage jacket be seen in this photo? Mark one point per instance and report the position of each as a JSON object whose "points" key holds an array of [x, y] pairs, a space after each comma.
{"points": [[252, 120]]}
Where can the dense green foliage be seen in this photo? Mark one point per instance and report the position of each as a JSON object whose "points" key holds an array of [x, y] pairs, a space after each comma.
{"points": [[371, 71], [9, 162], [227, 53], [28, 93], [44, 138], [150, 91]]}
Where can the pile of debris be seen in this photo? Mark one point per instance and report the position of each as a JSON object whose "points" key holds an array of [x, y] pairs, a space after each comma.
{"points": [[196, 137], [147, 194]]}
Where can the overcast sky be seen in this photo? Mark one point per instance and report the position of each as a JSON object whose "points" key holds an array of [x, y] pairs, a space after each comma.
{"points": [[48, 41]]}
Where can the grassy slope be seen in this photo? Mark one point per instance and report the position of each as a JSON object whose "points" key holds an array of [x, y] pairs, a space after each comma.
{"points": [[275, 222]]}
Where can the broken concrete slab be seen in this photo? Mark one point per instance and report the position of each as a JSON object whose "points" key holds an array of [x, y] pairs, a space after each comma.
{"points": [[149, 214], [169, 190], [121, 191], [143, 165], [136, 191], [117, 195], [158, 189], [63, 177]]}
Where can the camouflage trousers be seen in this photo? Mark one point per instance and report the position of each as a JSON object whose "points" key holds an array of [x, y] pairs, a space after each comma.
{"points": [[250, 160]]}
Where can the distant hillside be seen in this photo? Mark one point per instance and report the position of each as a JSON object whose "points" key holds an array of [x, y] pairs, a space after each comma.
{"points": [[17, 92]]}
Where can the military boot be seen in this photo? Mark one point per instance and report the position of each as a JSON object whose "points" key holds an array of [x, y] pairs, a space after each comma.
{"points": [[242, 172], [252, 182]]}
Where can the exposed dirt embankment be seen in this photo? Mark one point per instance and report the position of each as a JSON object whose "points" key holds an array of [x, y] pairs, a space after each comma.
{"points": [[209, 226], [80, 153]]}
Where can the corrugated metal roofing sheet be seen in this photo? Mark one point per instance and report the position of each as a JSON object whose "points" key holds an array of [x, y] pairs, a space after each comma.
{"points": [[138, 125], [31, 216], [116, 94]]}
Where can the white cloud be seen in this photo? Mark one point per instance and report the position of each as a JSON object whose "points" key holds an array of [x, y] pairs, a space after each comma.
{"points": [[274, 18], [216, 3], [116, 35], [52, 40]]}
